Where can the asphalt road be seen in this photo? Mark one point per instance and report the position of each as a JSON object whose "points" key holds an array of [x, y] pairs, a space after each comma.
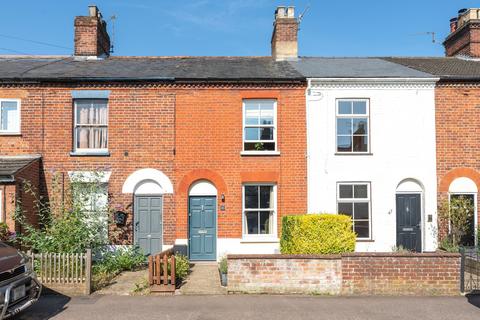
{"points": [[254, 307]]}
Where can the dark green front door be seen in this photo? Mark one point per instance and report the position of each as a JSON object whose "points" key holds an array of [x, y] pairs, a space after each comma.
{"points": [[148, 223], [202, 228]]}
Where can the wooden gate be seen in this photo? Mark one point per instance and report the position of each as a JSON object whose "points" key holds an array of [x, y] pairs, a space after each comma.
{"points": [[161, 271]]}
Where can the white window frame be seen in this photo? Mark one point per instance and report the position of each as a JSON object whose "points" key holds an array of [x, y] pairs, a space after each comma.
{"points": [[352, 116], [75, 125], [19, 112], [274, 126], [259, 237], [358, 200]]}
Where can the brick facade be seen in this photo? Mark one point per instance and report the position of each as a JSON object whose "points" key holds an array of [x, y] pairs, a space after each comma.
{"points": [[188, 132], [457, 125], [347, 274]]}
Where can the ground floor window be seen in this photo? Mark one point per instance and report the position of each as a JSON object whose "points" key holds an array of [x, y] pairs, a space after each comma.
{"points": [[259, 209], [468, 200], [353, 199]]}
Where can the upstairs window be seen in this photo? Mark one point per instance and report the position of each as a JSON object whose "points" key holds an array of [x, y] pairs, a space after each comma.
{"points": [[353, 126], [91, 125], [259, 125], [353, 199], [9, 116]]}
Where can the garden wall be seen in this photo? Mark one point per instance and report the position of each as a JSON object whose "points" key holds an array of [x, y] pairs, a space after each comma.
{"points": [[347, 274]]}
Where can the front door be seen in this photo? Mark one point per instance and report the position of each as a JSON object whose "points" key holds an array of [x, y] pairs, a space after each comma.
{"points": [[148, 224], [202, 228], [409, 230]]}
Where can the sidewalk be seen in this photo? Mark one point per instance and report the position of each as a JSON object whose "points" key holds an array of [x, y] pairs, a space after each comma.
{"points": [[254, 307]]}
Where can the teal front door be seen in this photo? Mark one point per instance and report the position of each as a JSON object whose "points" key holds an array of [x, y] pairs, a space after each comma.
{"points": [[148, 224], [202, 228]]}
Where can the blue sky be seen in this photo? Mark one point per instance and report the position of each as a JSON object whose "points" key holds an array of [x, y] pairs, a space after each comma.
{"points": [[235, 28]]}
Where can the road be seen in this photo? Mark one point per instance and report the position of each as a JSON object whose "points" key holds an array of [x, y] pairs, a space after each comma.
{"points": [[253, 307]]}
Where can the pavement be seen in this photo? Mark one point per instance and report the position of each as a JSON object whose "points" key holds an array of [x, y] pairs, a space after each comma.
{"points": [[265, 307]]}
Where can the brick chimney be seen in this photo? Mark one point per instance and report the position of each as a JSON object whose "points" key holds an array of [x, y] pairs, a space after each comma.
{"points": [[91, 37], [464, 37], [285, 34]]}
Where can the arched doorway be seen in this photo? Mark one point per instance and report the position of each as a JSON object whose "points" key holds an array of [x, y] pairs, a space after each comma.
{"points": [[409, 214], [464, 188], [202, 221], [148, 187]]}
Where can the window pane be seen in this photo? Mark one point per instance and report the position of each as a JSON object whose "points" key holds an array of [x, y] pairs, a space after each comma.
{"points": [[345, 208], [266, 197], [362, 229], [360, 191], [345, 191], [361, 210], [91, 137], [265, 222], [251, 219], [266, 133], [9, 116], [252, 114], [344, 143], [360, 143], [91, 112], [344, 107], [266, 113], [360, 126], [359, 107], [251, 197], [344, 126], [252, 134]]}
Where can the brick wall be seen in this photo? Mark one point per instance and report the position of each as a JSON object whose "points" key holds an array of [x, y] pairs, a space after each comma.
{"points": [[457, 122], [285, 274], [91, 37], [466, 41], [347, 274], [401, 274]]}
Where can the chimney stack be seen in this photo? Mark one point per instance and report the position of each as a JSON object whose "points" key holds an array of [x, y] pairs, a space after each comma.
{"points": [[464, 37], [285, 34], [91, 37]]}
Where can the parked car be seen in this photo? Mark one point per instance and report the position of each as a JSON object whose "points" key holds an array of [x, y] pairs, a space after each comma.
{"points": [[19, 287]]}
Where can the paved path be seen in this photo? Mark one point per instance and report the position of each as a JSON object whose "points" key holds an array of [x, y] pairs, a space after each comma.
{"points": [[203, 279], [254, 307], [125, 283]]}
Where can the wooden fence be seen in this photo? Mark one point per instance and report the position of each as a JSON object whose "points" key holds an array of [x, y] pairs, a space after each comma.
{"points": [[67, 273], [161, 271]]}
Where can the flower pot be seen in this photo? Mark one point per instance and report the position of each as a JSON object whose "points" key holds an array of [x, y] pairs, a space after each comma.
{"points": [[223, 279]]}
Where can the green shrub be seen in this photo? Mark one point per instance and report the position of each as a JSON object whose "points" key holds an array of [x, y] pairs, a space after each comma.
{"points": [[447, 244], [317, 234], [223, 265], [5, 234], [182, 266]]}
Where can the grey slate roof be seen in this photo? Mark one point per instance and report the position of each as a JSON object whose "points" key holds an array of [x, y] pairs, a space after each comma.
{"points": [[10, 165], [444, 67], [146, 68], [317, 67]]}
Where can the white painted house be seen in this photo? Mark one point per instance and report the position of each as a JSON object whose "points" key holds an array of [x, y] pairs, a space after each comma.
{"points": [[371, 149]]}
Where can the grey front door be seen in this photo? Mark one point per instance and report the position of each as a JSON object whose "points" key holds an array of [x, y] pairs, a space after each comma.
{"points": [[148, 223], [409, 230], [202, 228]]}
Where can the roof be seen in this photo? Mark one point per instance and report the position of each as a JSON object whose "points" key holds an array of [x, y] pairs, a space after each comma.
{"points": [[454, 68], [317, 67], [10, 165], [146, 68]]}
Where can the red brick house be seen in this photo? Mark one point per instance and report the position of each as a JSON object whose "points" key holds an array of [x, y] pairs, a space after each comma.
{"points": [[457, 98], [194, 150]]}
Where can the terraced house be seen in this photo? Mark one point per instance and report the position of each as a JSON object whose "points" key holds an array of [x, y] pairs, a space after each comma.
{"points": [[211, 152]]}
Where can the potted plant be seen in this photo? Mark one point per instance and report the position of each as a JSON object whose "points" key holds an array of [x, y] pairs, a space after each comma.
{"points": [[223, 269]]}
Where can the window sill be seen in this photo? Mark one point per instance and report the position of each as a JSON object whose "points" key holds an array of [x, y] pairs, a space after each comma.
{"points": [[260, 240], [354, 154], [365, 240], [10, 134], [90, 154], [260, 153]]}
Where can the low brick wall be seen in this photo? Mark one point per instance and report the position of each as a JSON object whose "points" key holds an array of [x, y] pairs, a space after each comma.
{"points": [[284, 274], [347, 274]]}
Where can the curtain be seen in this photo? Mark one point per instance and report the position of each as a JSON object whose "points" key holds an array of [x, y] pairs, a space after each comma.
{"points": [[92, 124]]}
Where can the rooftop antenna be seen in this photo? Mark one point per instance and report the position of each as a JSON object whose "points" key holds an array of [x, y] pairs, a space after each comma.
{"points": [[302, 15], [430, 33], [112, 19]]}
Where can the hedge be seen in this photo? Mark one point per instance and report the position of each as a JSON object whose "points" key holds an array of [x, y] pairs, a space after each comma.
{"points": [[317, 234]]}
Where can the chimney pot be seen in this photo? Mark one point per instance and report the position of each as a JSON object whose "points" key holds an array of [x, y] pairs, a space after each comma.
{"points": [[280, 12], [453, 24], [93, 11], [462, 11], [291, 12]]}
